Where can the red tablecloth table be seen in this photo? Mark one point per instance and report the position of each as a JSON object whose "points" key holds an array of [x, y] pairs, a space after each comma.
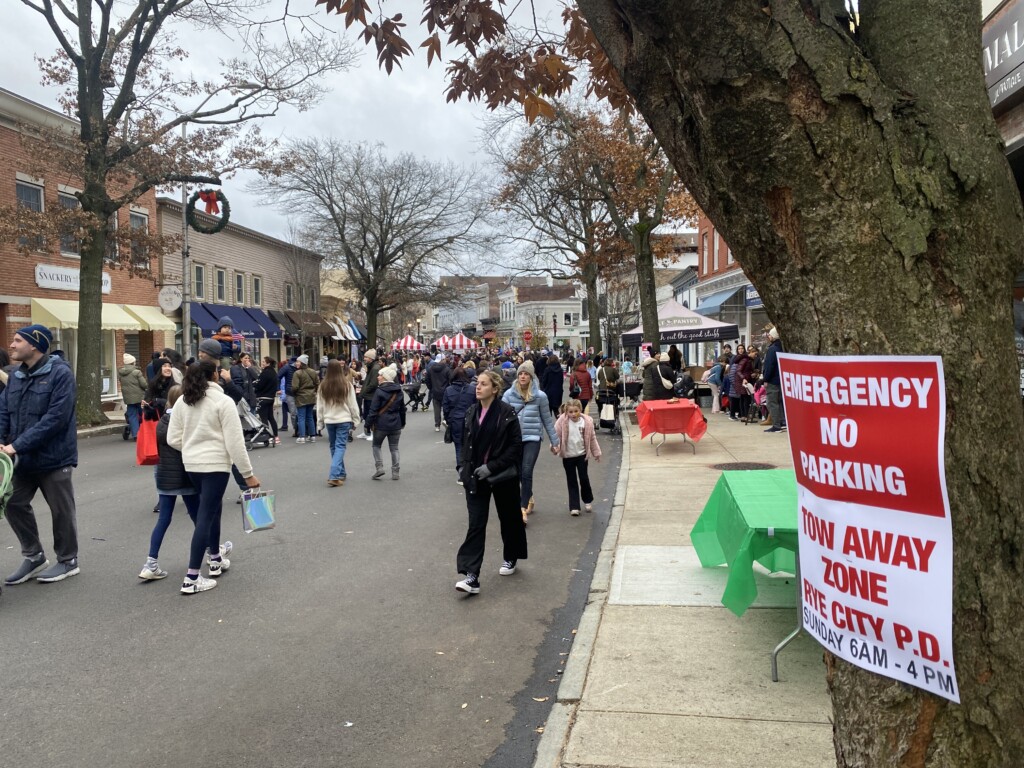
{"points": [[665, 418]]}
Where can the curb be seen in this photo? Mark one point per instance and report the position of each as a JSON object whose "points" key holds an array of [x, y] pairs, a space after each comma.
{"points": [[111, 429], [570, 689]]}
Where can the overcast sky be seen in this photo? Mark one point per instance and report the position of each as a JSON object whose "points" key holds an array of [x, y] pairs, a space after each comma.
{"points": [[406, 111]]}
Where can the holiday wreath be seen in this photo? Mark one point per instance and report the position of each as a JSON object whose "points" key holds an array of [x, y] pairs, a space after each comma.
{"points": [[213, 200]]}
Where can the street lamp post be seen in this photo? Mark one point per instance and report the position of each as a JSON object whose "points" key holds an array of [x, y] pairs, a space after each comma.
{"points": [[419, 334], [554, 328]]}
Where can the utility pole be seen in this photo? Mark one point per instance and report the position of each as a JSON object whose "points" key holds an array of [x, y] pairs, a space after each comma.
{"points": [[186, 274]]}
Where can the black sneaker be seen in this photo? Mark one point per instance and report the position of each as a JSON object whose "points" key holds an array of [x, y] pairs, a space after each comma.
{"points": [[470, 584], [29, 567], [59, 571], [508, 567]]}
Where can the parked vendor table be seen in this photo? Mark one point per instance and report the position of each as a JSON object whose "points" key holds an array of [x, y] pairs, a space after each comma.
{"points": [[664, 417], [750, 516]]}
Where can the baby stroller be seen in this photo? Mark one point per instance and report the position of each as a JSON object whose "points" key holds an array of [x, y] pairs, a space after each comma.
{"points": [[6, 481], [414, 390], [254, 430], [609, 397]]}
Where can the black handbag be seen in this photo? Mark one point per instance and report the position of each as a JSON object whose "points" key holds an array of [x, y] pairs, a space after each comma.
{"points": [[574, 388], [448, 433]]}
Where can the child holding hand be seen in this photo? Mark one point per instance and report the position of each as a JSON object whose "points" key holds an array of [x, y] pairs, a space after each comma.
{"points": [[577, 443]]}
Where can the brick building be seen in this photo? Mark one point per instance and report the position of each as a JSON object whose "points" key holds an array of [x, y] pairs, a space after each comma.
{"points": [[723, 290], [42, 286], [270, 288]]}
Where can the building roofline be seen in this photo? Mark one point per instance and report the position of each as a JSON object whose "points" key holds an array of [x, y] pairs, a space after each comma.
{"points": [[25, 110], [170, 202]]}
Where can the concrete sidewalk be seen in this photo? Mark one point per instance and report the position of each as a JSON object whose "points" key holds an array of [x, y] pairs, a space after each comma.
{"points": [[660, 673]]}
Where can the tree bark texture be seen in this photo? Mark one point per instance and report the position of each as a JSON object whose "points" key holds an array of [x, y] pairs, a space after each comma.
{"points": [[861, 183], [593, 307], [646, 287]]}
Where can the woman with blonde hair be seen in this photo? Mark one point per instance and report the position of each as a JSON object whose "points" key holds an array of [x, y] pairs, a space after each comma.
{"points": [[492, 447], [531, 406], [338, 409]]}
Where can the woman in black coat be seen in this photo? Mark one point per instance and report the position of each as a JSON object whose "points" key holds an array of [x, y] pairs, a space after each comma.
{"points": [[553, 383], [386, 418], [492, 451]]}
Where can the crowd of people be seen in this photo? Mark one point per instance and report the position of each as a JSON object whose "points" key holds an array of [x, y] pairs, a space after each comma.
{"points": [[496, 409]]}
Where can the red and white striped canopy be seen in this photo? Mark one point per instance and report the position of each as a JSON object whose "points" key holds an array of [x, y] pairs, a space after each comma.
{"points": [[407, 343], [460, 341], [444, 342]]}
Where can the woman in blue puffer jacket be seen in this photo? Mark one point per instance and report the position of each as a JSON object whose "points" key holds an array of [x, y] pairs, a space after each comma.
{"points": [[458, 396], [531, 406]]}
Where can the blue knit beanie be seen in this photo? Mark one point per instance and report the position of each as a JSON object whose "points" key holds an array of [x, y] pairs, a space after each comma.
{"points": [[38, 336]]}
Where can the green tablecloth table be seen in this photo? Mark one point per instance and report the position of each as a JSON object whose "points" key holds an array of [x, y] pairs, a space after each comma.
{"points": [[750, 516]]}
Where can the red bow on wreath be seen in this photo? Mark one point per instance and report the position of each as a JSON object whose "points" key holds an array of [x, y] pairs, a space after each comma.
{"points": [[209, 197]]}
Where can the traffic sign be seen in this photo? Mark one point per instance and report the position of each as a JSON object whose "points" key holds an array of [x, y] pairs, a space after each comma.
{"points": [[527, 336]]}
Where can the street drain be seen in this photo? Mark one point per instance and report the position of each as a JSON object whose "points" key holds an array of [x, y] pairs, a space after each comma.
{"points": [[737, 466]]}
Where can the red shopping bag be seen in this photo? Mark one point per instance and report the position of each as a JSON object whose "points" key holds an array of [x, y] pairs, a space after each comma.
{"points": [[145, 444]]}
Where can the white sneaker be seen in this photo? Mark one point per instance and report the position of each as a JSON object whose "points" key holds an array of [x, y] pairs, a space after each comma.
{"points": [[217, 567], [300, 439], [153, 572], [508, 567], [198, 584], [588, 507], [574, 512]]}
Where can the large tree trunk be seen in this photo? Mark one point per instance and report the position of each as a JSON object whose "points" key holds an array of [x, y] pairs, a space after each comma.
{"points": [[90, 315], [647, 288], [862, 186], [593, 306]]}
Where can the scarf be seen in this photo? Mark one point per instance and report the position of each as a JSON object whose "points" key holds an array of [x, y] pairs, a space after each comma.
{"points": [[484, 432]]}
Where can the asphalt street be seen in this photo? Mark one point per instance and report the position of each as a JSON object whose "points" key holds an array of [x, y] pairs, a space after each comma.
{"points": [[336, 639]]}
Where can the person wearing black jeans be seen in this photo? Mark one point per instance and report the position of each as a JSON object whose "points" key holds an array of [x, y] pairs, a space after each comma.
{"points": [[266, 393], [492, 449]]}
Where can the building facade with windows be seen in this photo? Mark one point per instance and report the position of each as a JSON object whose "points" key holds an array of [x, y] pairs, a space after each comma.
{"points": [[268, 287], [41, 284], [723, 290]]}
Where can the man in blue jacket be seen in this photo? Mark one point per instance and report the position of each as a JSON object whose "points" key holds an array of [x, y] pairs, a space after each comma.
{"points": [[37, 429]]}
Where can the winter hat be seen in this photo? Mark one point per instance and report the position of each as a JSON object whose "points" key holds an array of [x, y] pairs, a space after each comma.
{"points": [[127, 359], [38, 336], [773, 333], [371, 354], [527, 367], [210, 347], [388, 373], [304, 359], [439, 358], [225, 321], [159, 363]]}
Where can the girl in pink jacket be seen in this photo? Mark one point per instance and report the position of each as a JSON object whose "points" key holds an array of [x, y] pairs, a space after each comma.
{"points": [[577, 442]]}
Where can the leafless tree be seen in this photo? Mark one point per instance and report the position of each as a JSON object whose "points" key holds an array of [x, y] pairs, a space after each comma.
{"points": [[120, 66], [393, 224]]}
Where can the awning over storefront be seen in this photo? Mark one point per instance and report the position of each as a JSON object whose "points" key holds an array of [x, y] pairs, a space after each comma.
{"points": [[337, 335], [284, 321], [679, 325], [202, 318], [358, 329], [311, 323], [489, 335], [711, 305], [241, 322], [346, 330], [152, 318], [57, 313], [269, 326]]}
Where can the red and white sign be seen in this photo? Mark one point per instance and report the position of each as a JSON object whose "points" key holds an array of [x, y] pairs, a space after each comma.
{"points": [[527, 336], [876, 540]]}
